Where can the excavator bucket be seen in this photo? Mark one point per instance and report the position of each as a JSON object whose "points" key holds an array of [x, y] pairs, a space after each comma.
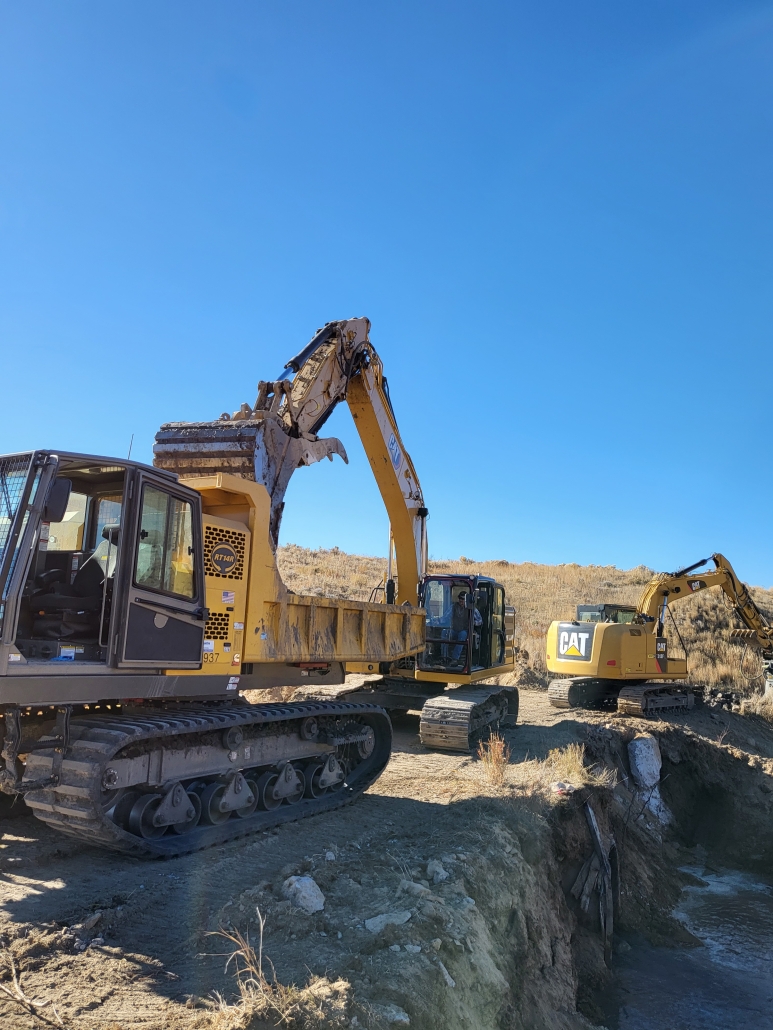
{"points": [[257, 449]]}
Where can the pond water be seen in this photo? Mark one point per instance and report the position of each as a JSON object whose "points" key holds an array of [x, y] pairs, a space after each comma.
{"points": [[725, 984]]}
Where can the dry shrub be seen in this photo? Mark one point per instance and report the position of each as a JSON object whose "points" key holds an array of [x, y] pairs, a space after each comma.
{"points": [[267, 1002], [494, 755], [566, 765], [759, 704]]}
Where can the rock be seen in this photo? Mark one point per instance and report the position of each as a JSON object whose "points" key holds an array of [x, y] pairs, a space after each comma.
{"points": [[644, 756], [437, 944], [413, 949], [435, 871], [304, 893], [623, 947], [97, 942], [468, 902], [395, 947], [91, 922], [446, 975], [377, 923], [393, 1014], [330, 856], [562, 788], [415, 889]]}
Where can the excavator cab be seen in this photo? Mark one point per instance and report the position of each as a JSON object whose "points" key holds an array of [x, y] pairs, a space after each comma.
{"points": [[619, 613], [100, 563], [465, 624]]}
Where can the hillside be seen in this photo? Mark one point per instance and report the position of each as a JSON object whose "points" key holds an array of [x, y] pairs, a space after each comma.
{"points": [[542, 593]]}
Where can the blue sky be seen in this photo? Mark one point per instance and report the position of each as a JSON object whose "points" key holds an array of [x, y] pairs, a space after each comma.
{"points": [[556, 215]]}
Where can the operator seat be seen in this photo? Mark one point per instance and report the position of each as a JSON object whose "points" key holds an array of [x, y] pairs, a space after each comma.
{"points": [[72, 612]]}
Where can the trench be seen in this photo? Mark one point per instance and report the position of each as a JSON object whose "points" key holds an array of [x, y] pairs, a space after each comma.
{"points": [[705, 960]]}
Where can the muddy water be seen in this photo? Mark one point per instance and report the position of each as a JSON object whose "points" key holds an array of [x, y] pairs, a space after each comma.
{"points": [[726, 983]]}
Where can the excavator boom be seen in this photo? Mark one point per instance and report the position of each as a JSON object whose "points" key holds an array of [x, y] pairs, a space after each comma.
{"points": [[666, 588], [269, 440]]}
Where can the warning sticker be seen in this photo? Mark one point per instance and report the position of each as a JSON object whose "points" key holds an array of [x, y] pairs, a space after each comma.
{"points": [[233, 683], [229, 596], [209, 645]]}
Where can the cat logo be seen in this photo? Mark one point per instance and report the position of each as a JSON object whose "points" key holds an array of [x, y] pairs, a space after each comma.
{"points": [[575, 643], [696, 584]]}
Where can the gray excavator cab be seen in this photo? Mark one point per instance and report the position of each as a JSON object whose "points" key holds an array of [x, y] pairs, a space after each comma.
{"points": [[622, 613], [99, 565]]}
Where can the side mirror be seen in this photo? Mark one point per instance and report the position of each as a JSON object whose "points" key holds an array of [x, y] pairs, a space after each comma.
{"points": [[56, 502], [469, 600]]}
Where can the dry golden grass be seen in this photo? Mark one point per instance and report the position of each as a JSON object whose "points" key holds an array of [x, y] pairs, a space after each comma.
{"points": [[564, 765], [267, 1002], [542, 593], [494, 755]]}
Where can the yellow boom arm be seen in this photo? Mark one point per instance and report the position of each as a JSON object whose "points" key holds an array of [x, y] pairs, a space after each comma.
{"points": [[666, 588]]}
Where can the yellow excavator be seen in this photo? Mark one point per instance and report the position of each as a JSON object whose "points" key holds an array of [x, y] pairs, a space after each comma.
{"points": [[613, 651], [469, 627]]}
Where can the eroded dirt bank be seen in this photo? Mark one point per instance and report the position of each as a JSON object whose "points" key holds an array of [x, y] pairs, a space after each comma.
{"points": [[488, 936]]}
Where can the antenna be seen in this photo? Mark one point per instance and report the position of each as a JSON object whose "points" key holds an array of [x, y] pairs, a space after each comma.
{"points": [[131, 443]]}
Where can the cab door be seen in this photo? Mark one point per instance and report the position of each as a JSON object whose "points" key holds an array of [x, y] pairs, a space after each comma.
{"points": [[162, 580], [498, 629]]}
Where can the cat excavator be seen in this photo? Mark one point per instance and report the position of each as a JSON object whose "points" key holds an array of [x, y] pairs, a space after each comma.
{"points": [[617, 652], [469, 626]]}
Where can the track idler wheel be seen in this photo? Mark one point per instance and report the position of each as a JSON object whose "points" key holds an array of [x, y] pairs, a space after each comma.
{"points": [[289, 784], [312, 774], [211, 812], [141, 817], [124, 806]]}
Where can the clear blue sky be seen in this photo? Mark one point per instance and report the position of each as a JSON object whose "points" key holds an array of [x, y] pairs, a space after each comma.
{"points": [[556, 214]]}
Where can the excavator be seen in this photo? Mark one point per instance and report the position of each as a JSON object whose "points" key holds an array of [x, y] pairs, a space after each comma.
{"points": [[134, 609], [469, 628], [613, 652]]}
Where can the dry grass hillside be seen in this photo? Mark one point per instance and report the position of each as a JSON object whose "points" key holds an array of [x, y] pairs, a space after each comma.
{"points": [[542, 593]]}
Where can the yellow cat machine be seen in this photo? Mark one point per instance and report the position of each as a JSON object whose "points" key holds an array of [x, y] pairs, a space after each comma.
{"points": [[134, 609], [470, 628], [613, 651]]}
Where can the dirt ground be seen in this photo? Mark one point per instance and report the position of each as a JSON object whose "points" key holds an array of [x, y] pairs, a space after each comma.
{"points": [[102, 941]]}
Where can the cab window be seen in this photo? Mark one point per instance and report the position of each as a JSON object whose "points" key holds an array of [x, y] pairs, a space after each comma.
{"points": [[67, 535], [165, 547]]}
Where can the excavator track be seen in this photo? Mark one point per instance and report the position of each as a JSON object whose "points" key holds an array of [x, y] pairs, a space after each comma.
{"points": [[271, 737], [649, 698], [452, 721], [580, 692], [457, 719]]}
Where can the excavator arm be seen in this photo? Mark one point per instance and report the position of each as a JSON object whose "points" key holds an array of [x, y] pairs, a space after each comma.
{"points": [[269, 440], [666, 588]]}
